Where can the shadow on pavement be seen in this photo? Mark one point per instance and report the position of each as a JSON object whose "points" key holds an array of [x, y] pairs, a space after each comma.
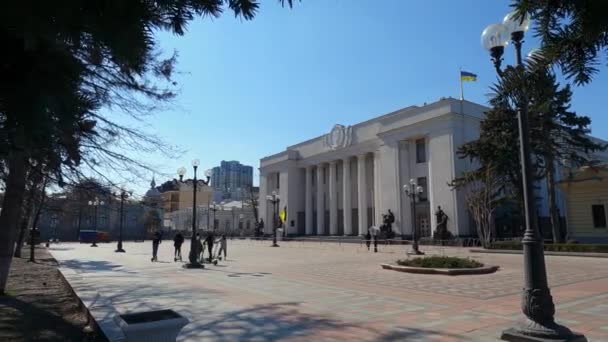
{"points": [[94, 265], [267, 322], [416, 334], [278, 321]]}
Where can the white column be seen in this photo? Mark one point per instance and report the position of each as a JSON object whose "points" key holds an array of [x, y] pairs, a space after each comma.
{"points": [[263, 204], [308, 205], [347, 205], [362, 194], [378, 210], [320, 207], [333, 200]]}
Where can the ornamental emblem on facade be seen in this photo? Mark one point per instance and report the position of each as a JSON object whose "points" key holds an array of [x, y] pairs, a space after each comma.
{"points": [[340, 136]]}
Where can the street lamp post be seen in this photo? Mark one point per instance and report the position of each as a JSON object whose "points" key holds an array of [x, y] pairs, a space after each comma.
{"points": [[123, 195], [241, 225], [413, 191], [181, 172], [537, 303], [274, 199], [214, 209], [95, 203]]}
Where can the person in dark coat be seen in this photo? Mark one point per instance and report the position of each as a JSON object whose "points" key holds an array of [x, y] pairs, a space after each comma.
{"points": [[178, 240], [209, 241], [368, 239], [156, 240]]}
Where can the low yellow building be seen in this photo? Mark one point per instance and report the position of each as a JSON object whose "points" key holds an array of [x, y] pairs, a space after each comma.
{"points": [[586, 191]]}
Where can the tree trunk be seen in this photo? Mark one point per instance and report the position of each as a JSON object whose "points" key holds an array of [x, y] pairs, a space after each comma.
{"points": [[11, 211], [33, 179], [553, 212], [36, 217]]}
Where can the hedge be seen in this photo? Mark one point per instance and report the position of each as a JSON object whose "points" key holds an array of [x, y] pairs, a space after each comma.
{"points": [[436, 261], [554, 247]]}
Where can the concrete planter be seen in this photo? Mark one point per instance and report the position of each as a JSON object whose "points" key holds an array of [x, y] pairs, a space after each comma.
{"points": [[442, 271], [151, 326]]}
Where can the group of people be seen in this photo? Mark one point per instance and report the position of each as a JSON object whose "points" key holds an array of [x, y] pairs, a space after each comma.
{"points": [[178, 241], [209, 241]]}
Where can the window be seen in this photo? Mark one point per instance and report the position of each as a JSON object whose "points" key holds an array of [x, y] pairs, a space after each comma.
{"points": [[424, 195], [599, 216], [278, 180], [420, 151]]}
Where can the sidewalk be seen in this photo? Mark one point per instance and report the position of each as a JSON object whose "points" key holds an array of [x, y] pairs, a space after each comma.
{"points": [[324, 292]]}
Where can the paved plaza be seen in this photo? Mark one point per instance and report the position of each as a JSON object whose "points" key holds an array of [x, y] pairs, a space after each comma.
{"points": [[328, 291]]}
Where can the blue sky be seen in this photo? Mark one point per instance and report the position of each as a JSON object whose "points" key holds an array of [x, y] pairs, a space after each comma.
{"points": [[250, 88]]}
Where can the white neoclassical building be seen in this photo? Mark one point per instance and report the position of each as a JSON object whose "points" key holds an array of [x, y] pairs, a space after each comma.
{"points": [[342, 182]]}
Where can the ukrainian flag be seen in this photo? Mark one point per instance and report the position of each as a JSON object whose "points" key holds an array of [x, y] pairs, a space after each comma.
{"points": [[467, 76]]}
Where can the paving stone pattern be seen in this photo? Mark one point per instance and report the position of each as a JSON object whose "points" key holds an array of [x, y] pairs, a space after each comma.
{"points": [[306, 291]]}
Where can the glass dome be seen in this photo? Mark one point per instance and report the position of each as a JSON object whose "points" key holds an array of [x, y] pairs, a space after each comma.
{"points": [[495, 35], [515, 24]]}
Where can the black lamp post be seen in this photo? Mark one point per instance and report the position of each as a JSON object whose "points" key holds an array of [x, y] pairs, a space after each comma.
{"points": [[413, 191], [95, 203], [123, 195], [181, 172], [274, 199], [537, 303], [214, 209]]}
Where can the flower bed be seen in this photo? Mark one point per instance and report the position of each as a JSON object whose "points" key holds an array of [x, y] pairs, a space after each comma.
{"points": [[440, 262], [441, 265]]}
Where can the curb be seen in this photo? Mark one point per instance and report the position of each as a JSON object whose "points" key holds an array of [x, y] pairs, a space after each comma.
{"points": [[81, 306], [441, 271], [570, 254]]}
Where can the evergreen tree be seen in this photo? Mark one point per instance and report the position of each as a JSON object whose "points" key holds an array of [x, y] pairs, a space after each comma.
{"points": [[574, 34]]}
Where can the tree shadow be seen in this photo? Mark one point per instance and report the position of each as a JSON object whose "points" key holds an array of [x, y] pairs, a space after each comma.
{"points": [[18, 317], [417, 334], [62, 248], [268, 322], [94, 265]]}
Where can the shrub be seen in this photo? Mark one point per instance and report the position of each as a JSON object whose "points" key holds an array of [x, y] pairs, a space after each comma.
{"points": [[440, 262], [555, 247]]}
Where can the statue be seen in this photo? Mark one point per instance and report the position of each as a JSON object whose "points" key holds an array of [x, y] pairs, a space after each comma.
{"points": [[387, 225], [441, 231], [259, 228]]}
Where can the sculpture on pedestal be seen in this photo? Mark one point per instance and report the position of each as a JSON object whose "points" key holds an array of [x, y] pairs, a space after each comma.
{"points": [[386, 228], [441, 230]]}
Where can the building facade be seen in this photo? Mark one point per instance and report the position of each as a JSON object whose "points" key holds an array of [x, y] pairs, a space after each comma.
{"points": [[231, 180], [586, 190], [232, 218], [63, 217], [342, 182], [175, 196]]}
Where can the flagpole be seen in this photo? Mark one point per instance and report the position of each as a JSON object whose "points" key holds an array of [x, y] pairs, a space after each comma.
{"points": [[461, 91]]}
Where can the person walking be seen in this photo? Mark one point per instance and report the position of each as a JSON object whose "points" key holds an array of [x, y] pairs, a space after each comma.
{"points": [[368, 239], [209, 241], [223, 246], [156, 240], [178, 240], [200, 248]]}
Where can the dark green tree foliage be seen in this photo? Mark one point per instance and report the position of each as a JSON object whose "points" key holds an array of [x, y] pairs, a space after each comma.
{"points": [[61, 62], [574, 34]]}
